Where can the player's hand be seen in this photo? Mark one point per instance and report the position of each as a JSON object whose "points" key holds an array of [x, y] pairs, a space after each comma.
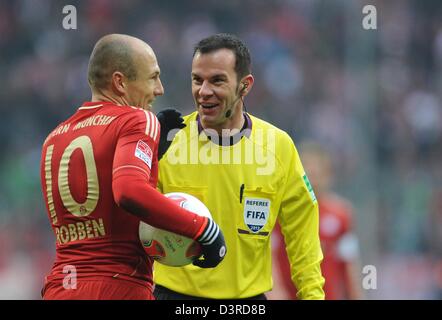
{"points": [[213, 246], [169, 119]]}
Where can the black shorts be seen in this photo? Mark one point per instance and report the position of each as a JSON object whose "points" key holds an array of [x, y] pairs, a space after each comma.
{"points": [[162, 293]]}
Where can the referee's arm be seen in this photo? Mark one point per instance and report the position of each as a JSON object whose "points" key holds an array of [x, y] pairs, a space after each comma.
{"points": [[299, 220]]}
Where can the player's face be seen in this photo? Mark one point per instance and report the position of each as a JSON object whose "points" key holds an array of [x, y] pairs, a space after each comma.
{"points": [[215, 88], [147, 86]]}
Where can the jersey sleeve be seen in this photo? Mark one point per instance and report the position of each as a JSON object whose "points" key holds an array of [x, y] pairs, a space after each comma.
{"points": [[134, 188], [137, 146], [299, 220]]}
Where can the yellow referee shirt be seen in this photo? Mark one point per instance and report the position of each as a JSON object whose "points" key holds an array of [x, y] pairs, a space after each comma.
{"points": [[247, 186]]}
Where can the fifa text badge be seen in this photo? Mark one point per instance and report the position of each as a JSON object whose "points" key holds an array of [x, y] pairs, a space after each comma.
{"points": [[256, 213]]}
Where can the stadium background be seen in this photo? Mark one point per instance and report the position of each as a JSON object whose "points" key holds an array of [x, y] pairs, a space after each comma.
{"points": [[373, 97]]}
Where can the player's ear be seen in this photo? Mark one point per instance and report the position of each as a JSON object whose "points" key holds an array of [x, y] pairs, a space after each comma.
{"points": [[118, 84]]}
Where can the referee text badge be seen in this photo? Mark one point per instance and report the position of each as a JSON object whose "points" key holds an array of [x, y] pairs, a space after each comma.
{"points": [[256, 213]]}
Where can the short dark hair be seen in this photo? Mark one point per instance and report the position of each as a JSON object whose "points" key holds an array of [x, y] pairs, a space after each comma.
{"points": [[108, 57], [227, 41]]}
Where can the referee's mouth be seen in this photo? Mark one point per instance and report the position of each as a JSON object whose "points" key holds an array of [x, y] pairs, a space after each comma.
{"points": [[208, 105]]}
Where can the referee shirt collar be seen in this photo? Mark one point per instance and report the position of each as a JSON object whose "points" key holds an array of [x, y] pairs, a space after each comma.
{"points": [[245, 131]]}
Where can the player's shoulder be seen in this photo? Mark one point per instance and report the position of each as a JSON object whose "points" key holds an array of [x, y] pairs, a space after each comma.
{"points": [[130, 119], [62, 127], [133, 116], [111, 109], [131, 112], [140, 119]]}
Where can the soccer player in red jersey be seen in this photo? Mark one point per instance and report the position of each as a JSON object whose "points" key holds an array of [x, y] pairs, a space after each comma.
{"points": [[99, 172], [339, 244]]}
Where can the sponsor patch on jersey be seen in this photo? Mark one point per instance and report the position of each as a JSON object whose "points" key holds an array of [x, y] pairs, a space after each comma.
{"points": [[144, 152], [309, 187], [256, 213]]}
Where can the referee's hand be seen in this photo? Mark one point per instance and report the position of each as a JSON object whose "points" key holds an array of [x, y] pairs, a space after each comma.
{"points": [[213, 246]]}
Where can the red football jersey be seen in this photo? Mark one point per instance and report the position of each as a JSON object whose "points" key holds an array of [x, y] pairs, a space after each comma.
{"points": [[79, 159], [338, 246]]}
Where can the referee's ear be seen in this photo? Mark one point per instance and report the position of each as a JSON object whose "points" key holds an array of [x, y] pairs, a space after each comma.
{"points": [[246, 85]]}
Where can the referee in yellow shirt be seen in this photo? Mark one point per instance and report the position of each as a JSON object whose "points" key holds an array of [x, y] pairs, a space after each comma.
{"points": [[249, 175]]}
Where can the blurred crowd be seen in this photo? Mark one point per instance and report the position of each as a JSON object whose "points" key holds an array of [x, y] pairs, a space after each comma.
{"points": [[371, 97]]}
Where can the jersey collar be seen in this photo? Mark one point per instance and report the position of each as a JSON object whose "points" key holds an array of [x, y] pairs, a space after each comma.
{"points": [[93, 105], [232, 139]]}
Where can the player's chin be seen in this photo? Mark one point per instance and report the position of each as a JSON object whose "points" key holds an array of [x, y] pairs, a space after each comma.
{"points": [[147, 107]]}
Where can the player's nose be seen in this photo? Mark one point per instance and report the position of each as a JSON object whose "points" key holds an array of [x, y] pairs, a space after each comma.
{"points": [[159, 89]]}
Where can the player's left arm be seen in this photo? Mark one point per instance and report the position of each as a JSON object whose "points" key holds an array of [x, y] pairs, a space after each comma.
{"points": [[134, 179], [299, 220]]}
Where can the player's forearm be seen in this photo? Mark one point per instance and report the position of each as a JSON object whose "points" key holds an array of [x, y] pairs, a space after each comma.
{"points": [[136, 196]]}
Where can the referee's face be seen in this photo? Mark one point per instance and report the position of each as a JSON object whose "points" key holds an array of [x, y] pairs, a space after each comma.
{"points": [[215, 89]]}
